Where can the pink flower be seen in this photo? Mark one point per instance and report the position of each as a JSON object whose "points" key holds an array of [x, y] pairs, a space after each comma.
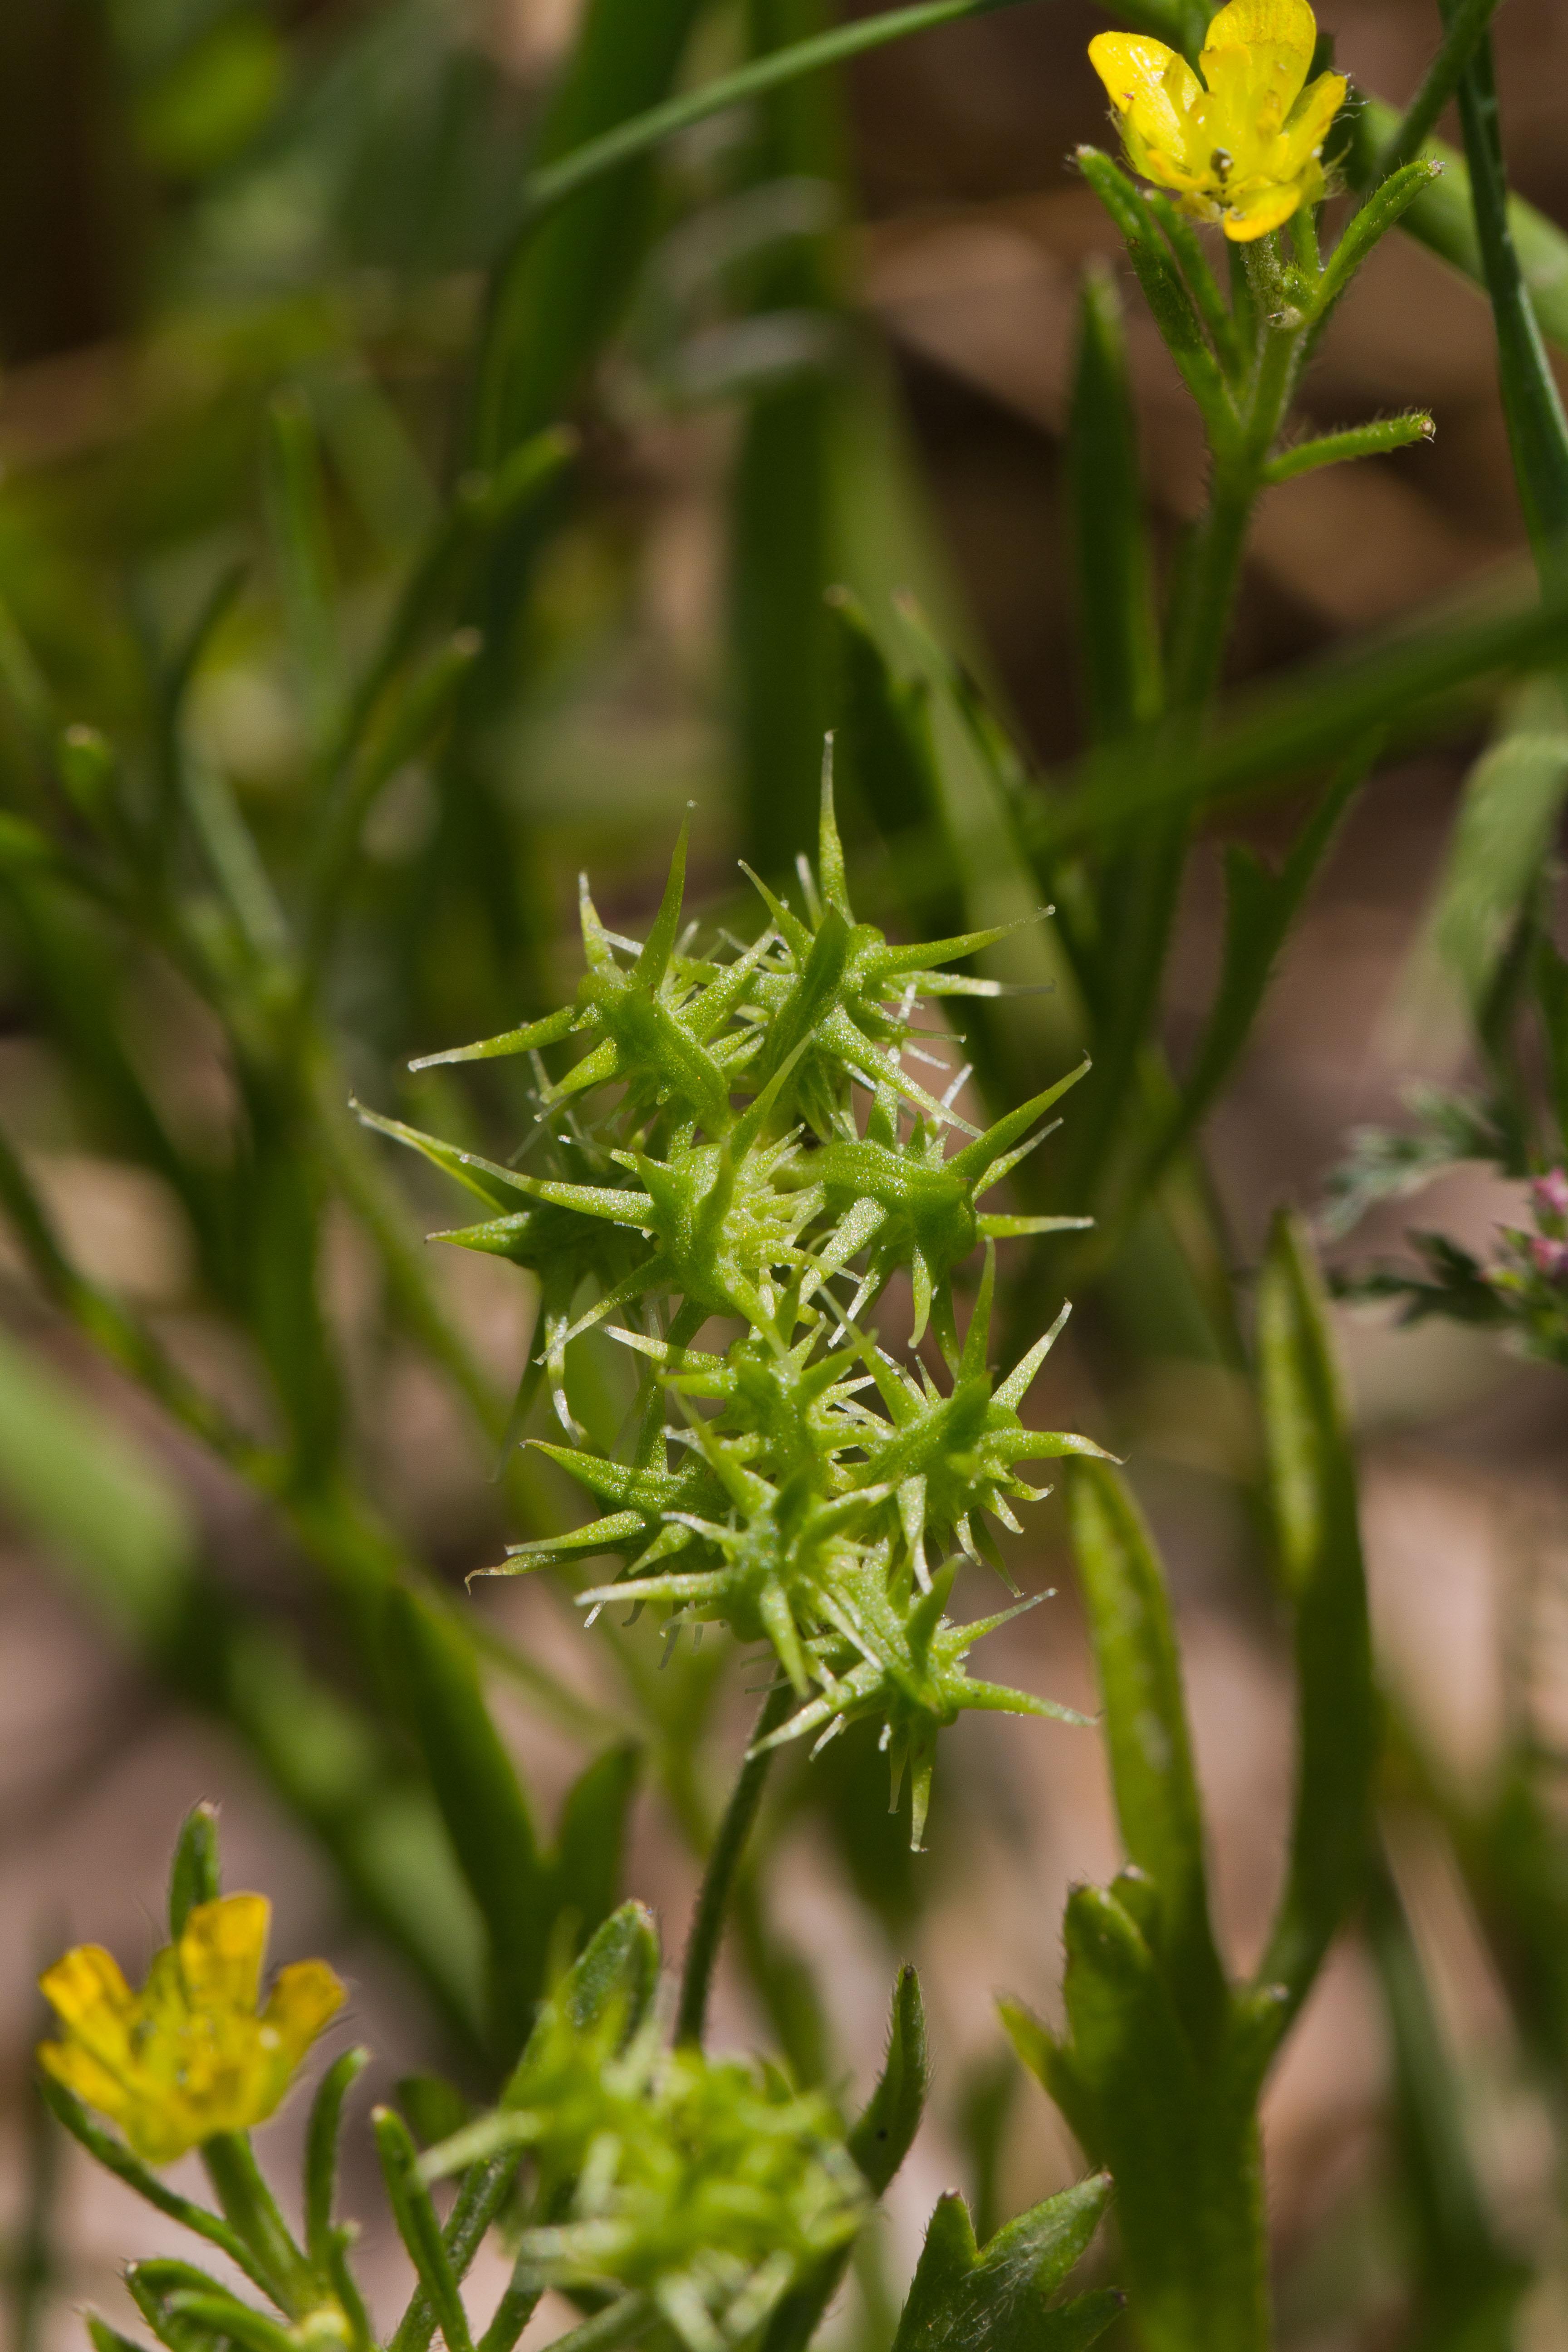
{"points": [[1551, 1259], [1550, 1194]]}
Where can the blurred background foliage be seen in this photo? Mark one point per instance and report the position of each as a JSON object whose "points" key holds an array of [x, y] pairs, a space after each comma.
{"points": [[369, 562]]}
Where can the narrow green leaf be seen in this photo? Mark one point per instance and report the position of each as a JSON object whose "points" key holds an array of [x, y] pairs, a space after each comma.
{"points": [[1163, 290], [1441, 218], [1186, 2167], [1466, 2285], [1118, 651], [620, 1962], [1462, 34], [482, 1804], [321, 2151], [158, 2289], [1273, 735], [963, 2299], [1140, 1679], [947, 2257], [296, 495], [71, 1478], [1051, 2062], [560, 284], [1538, 430], [1313, 1487], [106, 2338], [883, 754], [1501, 838], [230, 2321], [418, 2227], [194, 1874], [1260, 907], [879, 2142], [1552, 998], [1341, 448], [105, 2148]]}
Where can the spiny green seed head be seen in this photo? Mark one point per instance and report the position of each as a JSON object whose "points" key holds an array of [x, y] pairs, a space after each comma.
{"points": [[805, 1488]]}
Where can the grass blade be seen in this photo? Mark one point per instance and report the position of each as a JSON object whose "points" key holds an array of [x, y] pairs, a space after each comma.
{"points": [[1537, 431], [1313, 1484], [1118, 651]]}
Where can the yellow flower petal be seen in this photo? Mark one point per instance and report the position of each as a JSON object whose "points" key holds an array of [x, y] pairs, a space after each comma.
{"points": [[306, 1996], [1310, 121], [1151, 87], [188, 2056], [1252, 213], [221, 1951]]}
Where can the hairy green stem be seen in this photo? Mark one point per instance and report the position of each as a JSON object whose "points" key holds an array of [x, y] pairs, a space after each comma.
{"points": [[250, 2208], [712, 1901]]}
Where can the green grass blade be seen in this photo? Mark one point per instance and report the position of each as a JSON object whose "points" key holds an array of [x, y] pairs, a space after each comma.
{"points": [[1313, 1482], [1260, 907], [1138, 1668], [1118, 635], [560, 285], [1443, 219], [1464, 2285], [297, 497], [1501, 840], [1462, 35], [1274, 735], [1537, 431]]}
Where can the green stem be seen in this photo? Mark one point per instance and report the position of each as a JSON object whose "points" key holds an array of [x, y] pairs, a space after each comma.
{"points": [[251, 2209], [1465, 32], [712, 1901]]}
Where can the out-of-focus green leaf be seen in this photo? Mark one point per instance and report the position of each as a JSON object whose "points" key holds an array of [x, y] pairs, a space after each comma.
{"points": [[1537, 431], [561, 284], [1442, 219], [1118, 651], [296, 496], [1502, 833], [219, 91], [432, 2107], [1259, 909], [194, 1875], [883, 755], [1465, 2287], [1275, 734], [483, 1806], [1146, 1729], [1313, 1484], [1551, 997], [591, 1841], [72, 1481], [1465, 27], [963, 2299], [984, 2112]]}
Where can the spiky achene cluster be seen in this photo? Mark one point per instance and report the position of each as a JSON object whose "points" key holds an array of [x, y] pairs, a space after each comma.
{"points": [[706, 2188], [803, 1488]]}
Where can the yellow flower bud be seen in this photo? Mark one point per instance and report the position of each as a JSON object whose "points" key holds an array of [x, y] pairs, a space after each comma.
{"points": [[191, 2055], [1241, 145]]}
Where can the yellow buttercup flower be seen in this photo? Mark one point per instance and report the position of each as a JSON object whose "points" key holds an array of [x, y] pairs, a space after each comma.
{"points": [[190, 2054], [1240, 146]]}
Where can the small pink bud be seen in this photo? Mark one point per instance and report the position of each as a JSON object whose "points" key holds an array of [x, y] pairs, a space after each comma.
{"points": [[1551, 1259], [1550, 1193]]}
